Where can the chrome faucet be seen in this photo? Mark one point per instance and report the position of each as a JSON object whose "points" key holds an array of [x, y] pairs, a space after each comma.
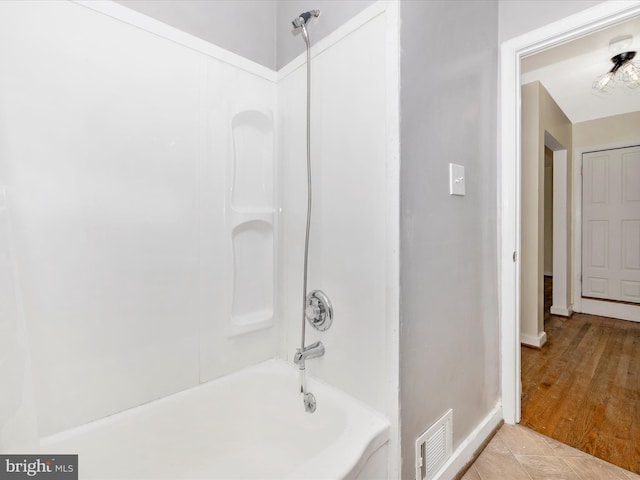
{"points": [[310, 351]]}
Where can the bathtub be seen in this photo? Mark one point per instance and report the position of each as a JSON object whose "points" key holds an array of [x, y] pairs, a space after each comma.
{"points": [[249, 425]]}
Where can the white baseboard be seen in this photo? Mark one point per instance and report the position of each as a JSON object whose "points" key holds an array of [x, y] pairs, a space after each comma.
{"points": [[623, 311], [532, 341], [562, 311], [465, 451]]}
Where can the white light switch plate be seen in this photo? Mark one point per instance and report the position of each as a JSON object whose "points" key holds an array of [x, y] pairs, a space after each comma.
{"points": [[456, 179]]}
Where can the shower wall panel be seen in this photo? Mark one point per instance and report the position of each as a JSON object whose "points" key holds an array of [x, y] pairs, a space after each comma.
{"points": [[351, 227], [116, 146], [237, 220], [251, 215], [18, 432]]}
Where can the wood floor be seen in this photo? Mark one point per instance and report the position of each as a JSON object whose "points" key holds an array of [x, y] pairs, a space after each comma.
{"points": [[583, 387]]}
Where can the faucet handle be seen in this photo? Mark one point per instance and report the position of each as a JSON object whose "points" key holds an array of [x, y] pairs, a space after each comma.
{"points": [[318, 310], [314, 308], [314, 346]]}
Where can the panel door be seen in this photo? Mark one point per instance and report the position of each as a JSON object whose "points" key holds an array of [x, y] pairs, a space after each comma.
{"points": [[611, 224]]}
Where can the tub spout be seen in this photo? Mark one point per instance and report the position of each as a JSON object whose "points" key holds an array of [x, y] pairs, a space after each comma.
{"points": [[310, 351]]}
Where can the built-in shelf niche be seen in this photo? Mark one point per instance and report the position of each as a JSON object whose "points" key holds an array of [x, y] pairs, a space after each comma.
{"points": [[251, 221]]}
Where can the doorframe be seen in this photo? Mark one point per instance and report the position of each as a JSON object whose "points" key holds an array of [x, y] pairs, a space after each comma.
{"points": [[509, 133], [623, 311], [560, 304]]}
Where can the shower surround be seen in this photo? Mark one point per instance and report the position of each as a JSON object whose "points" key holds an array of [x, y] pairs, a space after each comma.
{"points": [[155, 202]]}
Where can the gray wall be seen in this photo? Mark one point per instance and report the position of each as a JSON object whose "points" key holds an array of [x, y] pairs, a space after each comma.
{"points": [[271, 42], [521, 16], [333, 13], [244, 27], [449, 297], [259, 30]]}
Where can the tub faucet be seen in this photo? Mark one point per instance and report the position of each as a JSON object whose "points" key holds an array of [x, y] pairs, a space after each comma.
{"points": [[310, 351]]}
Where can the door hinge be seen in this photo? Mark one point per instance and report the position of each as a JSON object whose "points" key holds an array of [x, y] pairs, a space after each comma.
{"points": [[515, 257]]}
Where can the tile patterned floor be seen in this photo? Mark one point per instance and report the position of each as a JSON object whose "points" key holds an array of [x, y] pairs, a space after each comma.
{"points": [[518, 453]]}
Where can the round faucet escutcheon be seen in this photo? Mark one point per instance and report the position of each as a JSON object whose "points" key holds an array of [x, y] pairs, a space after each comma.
{"points": [[319, 311]]}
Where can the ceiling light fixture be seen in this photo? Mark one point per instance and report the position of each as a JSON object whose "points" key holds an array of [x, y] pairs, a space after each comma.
{"points": [[623, 70]]}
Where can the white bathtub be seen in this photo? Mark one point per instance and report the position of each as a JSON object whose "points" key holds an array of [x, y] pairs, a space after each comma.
{"points": [[249, 425]]}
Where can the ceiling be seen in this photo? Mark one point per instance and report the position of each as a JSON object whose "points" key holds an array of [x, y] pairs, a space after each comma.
{"points": [[568, 71]]}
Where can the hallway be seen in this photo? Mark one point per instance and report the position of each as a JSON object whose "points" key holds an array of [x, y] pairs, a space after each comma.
{"points": [[583, 387]]}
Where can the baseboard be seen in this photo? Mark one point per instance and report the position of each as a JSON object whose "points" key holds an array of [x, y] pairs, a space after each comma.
{"points": [[531, 341], [623, 311], [470, 445], [562, 311]]}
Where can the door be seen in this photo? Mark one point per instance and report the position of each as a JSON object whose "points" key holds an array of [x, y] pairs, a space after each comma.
{"points": [[611, 225]]}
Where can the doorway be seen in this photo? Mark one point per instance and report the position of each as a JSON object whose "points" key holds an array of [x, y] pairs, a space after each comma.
{"points": [[512, 52], [510, 172]]}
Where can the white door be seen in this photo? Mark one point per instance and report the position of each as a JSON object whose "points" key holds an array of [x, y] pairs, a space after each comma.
{"points": [[611, 225]]}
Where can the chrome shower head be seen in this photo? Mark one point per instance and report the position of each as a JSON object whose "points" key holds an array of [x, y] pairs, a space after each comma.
{"points": [[302, 19]]}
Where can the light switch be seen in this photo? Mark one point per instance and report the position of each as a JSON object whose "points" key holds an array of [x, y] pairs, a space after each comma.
{"points": [[456, 179]]}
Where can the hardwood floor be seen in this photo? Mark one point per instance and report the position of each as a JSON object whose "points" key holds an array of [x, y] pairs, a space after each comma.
{"points": [[583, 387]]}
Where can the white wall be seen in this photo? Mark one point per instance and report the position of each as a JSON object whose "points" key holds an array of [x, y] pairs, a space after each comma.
{"points": [[540, 114], [548, 211], [116, 151], [531, 330], [449, 298], [352, 228], [18, 427], [615, 129], [238, 310]]}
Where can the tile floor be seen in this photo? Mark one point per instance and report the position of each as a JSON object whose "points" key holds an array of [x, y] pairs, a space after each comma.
{"points": [[518, 453]]}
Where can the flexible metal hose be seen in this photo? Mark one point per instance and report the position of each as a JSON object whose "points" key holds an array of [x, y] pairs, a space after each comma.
{"points": [[309, 192]]}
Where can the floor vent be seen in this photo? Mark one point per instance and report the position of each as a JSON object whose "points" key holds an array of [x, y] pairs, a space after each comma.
{"points": [[434, 447]]}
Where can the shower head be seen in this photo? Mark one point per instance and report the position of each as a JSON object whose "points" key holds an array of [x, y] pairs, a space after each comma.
{"points": [[301, 22], [302, 19]]}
